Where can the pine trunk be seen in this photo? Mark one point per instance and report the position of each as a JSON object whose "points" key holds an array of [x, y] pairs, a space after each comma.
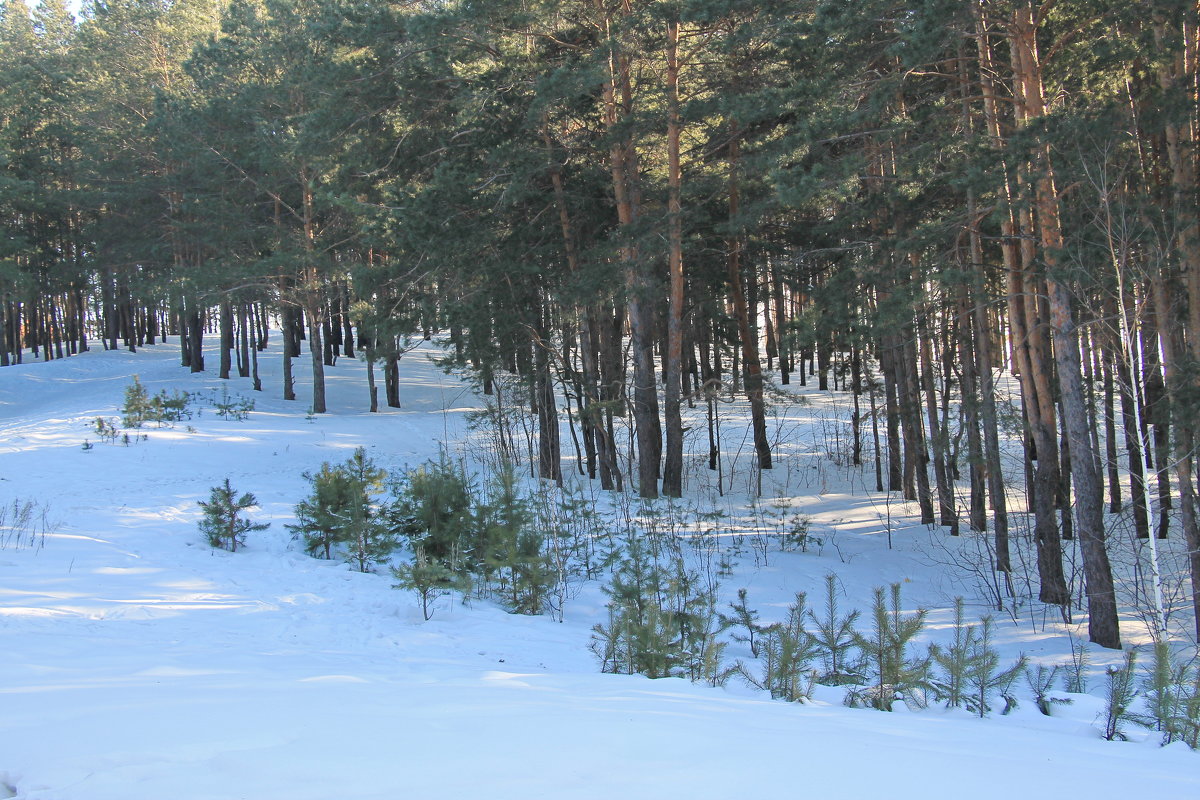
{"points": [[752, 369], [672, 483], [1103, 625]]}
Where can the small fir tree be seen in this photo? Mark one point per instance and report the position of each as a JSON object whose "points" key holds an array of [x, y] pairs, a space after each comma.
{"points": [[886, 650], [140, 407], [984, 678], [1075, 681], [1172, 691], [434, 508], [321, 517], [745, 618], [1119, 697], [787, 650], [660, 624], [1040, 680], [339, 511], [428, 579], [137, 405], [515, 558], [370, 541], [954, 660], [223, 523], [833, 636]]}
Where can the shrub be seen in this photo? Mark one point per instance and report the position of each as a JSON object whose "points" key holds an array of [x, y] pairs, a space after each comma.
{"points": [[24, 523]]}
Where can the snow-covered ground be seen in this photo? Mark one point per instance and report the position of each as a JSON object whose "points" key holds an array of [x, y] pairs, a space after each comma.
{"points": [[136, 663]]}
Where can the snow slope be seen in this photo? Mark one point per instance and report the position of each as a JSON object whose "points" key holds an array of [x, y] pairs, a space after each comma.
{"points": [[138, 664]]}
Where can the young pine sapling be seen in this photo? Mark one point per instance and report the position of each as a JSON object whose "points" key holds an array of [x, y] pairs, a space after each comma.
{"points": [[223, 523], [1040, 680], [833, 635], [984, 678], [1119, 697], [787, 650], [886, 650], [745, 618]]}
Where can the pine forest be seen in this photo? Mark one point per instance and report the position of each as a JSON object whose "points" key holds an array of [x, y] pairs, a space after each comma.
{"points": [[976, 222]]}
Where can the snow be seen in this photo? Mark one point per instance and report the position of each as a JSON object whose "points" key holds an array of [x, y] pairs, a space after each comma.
{"points": [[139, 664]]}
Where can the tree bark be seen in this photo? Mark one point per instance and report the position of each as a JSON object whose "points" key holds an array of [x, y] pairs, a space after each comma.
{"points": [[1029, 365], [226, 338], [624, 171], [1103, 624], [752, 369], [672, 483]]}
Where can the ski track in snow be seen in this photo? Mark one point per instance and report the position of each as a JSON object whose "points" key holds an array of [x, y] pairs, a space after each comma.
{"points": [[138, 664]]}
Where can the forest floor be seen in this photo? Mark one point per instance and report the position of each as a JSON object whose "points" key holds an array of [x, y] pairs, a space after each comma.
{"points": [[140, 664]]}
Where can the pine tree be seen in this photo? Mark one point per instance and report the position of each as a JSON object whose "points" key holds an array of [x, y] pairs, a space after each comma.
{"points": [[428, 579], [1121, 690], [955, 660], [137, 406], [434, 508], [515, 557], [370, 541], [223, 523], [833, 634], [896, 674], [340, 512], [983, 676], [787, 649], [746, 618]]}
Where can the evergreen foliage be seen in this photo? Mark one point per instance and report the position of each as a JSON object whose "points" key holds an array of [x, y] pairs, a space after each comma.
{"points": [[969, 671], [954, 660], [983, 675], [515, 558], [1171, 687], [1075, 679], [872, 189], [428, 579], [136, 409], [895, 674], [434, 509], [787, 649], [223, 523], [1040, 680], [233, 408], [1120, 693], [833, 635], [141, 407], [340, 513], [746, 618], [660, 622]]}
